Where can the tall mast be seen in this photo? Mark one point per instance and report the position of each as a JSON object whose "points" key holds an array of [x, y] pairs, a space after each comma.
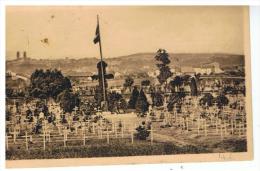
{"points": [[101, 62]]}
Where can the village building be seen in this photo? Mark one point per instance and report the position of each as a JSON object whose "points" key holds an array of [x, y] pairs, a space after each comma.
{"points": [[209, 68]]}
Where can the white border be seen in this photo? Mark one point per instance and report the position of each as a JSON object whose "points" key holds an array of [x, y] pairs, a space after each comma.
{"points": [[255, 63], [131, 2]]}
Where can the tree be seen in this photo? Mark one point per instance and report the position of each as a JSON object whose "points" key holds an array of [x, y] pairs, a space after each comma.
{"points": [[133, 98], [221, 100], [129, 81], [142, 131], [193, 87], [230, 90], [142, 104], [176, 82], [207, 99], [122, 105], [49, 83], [163, 58], [9, 92], [68, 100], [175, 99], [157, 99], [145, 83], [116, 102]]}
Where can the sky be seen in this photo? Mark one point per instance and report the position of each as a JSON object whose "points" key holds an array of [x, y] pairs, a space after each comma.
{"points": [[52, 32]]}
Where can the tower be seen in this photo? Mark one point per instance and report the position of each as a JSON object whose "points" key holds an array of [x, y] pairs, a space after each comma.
{"points": [[17, 55], [24, 55]]}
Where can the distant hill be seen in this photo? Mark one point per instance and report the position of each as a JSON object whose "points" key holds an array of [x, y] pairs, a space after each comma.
{"points": [[135, 63]]}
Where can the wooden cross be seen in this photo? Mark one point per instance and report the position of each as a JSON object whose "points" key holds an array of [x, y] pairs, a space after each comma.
{"points": [[239, 129], [84, 138], [59, 128], [65, 135], [7, 141], [93, 127], [101, 132], [115, 130], [232, 126], [225, 128], [243, 128], [183, 123], [205, 127], [132, 135], [151, 135], [26, 140], [15, 133], [107, 136], [221, 132], [49, 135], [122, 131], [44, 140], [198, 126], [76, 128], [216, 126]]}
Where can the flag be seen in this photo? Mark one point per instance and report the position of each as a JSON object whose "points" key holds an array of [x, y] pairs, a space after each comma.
{"points": [[97, 36]]}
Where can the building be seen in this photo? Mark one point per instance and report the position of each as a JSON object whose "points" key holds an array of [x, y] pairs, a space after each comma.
{"points": [[209, 68], [15, 82]]}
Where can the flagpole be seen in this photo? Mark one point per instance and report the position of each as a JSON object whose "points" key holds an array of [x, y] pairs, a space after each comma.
{"points": [[101, 59]]}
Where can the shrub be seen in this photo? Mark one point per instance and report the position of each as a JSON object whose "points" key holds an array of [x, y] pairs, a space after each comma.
{"points": [[142, 132]]}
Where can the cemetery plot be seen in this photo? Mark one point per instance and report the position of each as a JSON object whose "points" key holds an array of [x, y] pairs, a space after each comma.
{"points": [[209, 129]]}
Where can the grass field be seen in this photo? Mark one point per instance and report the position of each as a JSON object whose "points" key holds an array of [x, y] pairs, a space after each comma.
{"points": [[120, 147]]}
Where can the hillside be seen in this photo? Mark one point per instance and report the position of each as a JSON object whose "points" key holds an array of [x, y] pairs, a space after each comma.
{"points": [[135, 63]]}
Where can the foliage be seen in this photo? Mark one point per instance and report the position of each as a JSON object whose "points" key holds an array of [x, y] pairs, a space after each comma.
{"points": [[186, 79], [234, 145], [116, 102], [7, 115], [68, 100], [230, 90], [49, 83], [41, 107], [193, 87], [145, 83], [142, 104], [221, 100], [129, 81], [133, 98], [176, 82], [9, 92], [14, 93], [157, 99], [163, 57], [207, 99], [122, 105], [88, 109], [175, 99], [142, 132], [165, 73]]}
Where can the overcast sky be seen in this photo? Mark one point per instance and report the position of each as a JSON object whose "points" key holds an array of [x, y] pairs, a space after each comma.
{"points": [[124, 30]]}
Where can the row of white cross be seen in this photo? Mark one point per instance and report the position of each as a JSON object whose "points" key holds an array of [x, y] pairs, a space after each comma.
{"points": [[99, 132]]}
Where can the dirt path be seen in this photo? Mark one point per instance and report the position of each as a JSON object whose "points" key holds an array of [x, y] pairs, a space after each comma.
{"points": [[166, 138]]}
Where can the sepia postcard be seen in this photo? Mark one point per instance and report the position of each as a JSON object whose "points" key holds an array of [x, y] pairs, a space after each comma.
{"points": [[106, 85]]}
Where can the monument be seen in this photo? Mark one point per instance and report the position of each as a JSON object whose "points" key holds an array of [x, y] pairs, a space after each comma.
{"points": [[102, 76]]}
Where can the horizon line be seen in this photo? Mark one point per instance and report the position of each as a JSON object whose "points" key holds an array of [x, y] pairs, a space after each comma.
{"points": [[138, 53]]}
